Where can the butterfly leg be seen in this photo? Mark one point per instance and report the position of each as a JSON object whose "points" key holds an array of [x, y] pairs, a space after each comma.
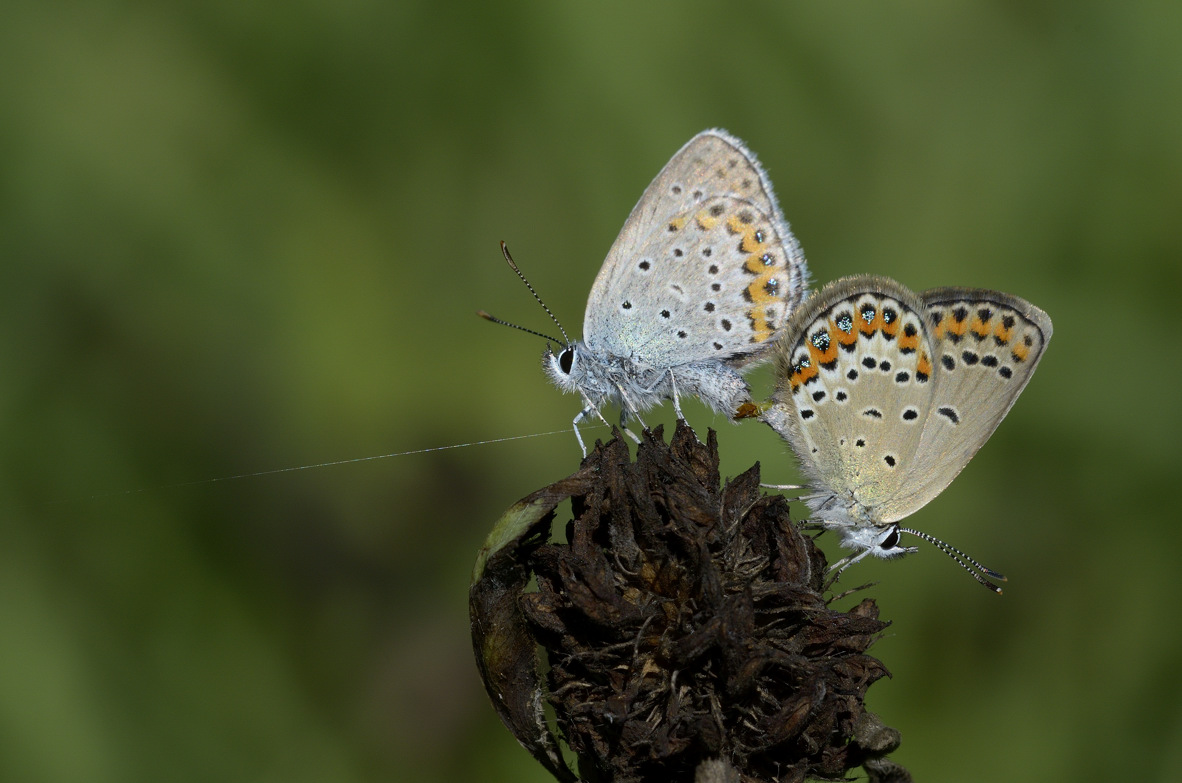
{"points": [[676, 399], [626, 409], [838, 568], [783, 486], [578, 436], [589, 409]]}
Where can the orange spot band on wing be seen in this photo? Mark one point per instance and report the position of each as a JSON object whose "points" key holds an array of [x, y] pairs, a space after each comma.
{"points": [[759, 294], [823, 357], [750, 244], [754, 264], [843, 337], [676, 224], [758, 291], [803, 375], [1021, 352], [924, 367], [760, 327], [873, 326], [705, 220], [980, 328]]}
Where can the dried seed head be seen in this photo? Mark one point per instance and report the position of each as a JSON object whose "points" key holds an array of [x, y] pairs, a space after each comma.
{"points": [[681, 622]]}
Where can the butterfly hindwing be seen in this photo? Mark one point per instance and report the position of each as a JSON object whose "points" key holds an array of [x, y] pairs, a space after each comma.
{"points": [[986, 346], [885, 395], [705, 268]]}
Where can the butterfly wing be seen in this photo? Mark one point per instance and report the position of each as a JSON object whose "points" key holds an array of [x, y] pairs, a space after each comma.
{"points": [[986, 346], [705, 267], [854, 386]]}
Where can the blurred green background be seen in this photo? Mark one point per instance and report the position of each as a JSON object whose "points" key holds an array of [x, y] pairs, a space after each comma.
{"points": [[236, 237]]}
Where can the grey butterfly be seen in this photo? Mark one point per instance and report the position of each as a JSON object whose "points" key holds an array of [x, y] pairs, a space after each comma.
{"points": [[885, 395], [700, 280]]}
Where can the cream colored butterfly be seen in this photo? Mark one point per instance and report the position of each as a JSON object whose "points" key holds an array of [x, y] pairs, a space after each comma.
{"points": [[885, 395]]}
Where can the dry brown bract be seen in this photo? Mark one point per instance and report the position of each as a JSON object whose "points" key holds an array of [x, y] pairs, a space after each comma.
{"points": [[680, 622]]}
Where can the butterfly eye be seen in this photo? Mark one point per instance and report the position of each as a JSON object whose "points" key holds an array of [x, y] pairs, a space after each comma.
{"points": [[566, 359], [892, 539]]}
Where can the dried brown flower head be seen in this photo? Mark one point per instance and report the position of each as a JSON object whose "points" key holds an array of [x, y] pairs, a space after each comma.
{"points": [[681, 623]]}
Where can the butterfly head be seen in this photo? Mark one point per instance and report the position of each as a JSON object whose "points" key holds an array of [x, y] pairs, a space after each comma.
{"points": [[878, 541], [566, 369]]}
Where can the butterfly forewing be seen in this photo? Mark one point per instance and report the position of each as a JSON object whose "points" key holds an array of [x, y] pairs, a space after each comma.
{"points": [[705, 267], [986, 346]]}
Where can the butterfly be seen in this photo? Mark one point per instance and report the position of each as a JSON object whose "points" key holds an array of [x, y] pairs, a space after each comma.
{"points": [[885, 395], [696, 287]]}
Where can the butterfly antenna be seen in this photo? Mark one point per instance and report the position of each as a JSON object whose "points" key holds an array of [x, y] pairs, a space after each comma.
{"points": [[513, 266], [961, 558], [496, 320]]}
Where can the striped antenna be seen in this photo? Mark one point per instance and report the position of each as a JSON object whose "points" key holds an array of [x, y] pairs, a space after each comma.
{"points": [[961, 557], [512, 265]]}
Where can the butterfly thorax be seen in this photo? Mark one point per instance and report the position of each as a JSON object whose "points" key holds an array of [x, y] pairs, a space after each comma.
{"points": [[859, 525], [843, 508], [602, 377]]}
